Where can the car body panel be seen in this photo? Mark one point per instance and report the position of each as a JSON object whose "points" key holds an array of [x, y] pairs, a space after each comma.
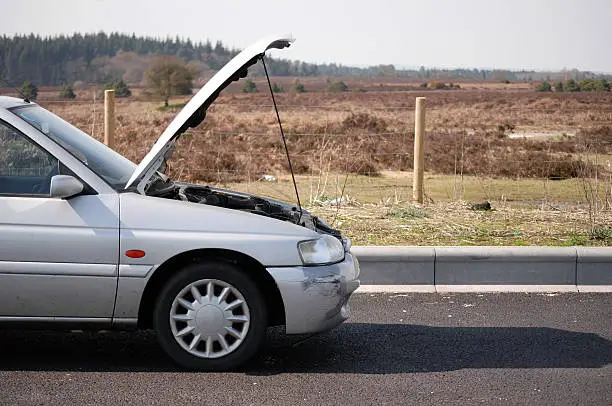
{"points": [[130, 291], [58, 258], [316, 298], [84, 229], [52, 296], [164, 228], [7, 102]]}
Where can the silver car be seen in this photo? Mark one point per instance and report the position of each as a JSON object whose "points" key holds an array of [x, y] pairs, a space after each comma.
{"points": [[90, 240]]}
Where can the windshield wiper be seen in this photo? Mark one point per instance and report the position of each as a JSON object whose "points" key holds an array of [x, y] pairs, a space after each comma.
{"points": [[280, 125]]}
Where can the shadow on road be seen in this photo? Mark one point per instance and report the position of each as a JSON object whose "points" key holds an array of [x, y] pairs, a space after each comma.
{"points": [[352, 348]]}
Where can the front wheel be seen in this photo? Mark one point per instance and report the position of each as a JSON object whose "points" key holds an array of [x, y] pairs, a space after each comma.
{"points": [[210, 316]]}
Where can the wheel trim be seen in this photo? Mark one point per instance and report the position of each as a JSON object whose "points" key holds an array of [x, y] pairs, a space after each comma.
{"points": [[209, 318]]}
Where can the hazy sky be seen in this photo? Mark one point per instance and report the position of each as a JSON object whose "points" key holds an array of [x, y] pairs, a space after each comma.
{"points": [[518, 34]]}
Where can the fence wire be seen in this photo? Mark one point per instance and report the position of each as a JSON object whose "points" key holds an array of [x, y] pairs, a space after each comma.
{"points": [[472, 162]]}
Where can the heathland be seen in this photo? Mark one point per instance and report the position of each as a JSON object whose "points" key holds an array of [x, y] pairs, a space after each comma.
{"points": [[543, 160]]}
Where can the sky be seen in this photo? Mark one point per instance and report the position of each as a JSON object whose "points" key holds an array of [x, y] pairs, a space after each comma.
{"points": [[518, 34]]}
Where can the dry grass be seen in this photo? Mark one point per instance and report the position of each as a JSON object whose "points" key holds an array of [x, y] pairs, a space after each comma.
{"points": [[379, 211], [456, 224], [392, 188]]}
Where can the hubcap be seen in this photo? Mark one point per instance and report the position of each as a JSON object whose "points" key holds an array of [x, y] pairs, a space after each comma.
{"points": [[209, 318]]}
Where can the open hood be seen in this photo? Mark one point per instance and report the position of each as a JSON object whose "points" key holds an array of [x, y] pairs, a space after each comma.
{"points": [[195, 111]]}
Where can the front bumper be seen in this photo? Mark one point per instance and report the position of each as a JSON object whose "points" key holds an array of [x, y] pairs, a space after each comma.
{"points": [[316, 297]]}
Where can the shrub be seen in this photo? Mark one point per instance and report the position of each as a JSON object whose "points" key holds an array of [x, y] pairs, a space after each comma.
{"points": [[67, 93], [120, 87], [408, 212], [559, 87], [29, 90], [437, 85], [594, 85], [503, 127], [337, 87], [571, 86], [544, 87], [364, 121], [597, 138], [366, 166], [603, 233], [298, 87], [565, 169], [276, 88], [249, 87]]}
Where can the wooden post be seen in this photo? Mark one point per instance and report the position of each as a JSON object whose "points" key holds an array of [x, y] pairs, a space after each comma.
{"points": [[109, 118], [419, 158]]}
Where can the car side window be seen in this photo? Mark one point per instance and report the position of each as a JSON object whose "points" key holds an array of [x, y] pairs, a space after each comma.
{"points": [[25, 168]]}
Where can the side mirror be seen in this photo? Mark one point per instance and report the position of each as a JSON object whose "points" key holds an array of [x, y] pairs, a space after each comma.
{"points": [[64, 186]]}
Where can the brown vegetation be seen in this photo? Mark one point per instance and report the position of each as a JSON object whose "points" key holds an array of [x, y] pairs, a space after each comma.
{"points": [[503, 145], [468, 132]]}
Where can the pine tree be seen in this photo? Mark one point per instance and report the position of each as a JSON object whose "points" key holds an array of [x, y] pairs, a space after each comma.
{"points": [[120, 87], [67, 93], [29, 90]]}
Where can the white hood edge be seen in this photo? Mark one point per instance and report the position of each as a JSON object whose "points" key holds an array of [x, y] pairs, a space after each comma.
{"points": [[155, 157]]}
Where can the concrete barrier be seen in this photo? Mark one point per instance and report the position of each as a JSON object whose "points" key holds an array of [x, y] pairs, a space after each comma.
{"points": [[396, 265], [523, 269], [505, 265], [593, 268]]}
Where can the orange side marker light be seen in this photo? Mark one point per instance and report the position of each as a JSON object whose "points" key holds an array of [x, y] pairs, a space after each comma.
{"points": [[135, 253]]}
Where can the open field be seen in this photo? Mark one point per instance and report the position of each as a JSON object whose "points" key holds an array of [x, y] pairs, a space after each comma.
{"points": [[542, 159]]}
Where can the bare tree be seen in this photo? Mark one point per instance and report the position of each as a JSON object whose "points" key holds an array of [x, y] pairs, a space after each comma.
{"points": [[169, 76]]}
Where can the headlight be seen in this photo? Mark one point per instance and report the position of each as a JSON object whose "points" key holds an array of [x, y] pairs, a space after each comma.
{"points": [[324, 250]]}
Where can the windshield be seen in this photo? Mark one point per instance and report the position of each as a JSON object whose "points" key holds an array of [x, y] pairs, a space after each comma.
{"points": [[106, 163]]}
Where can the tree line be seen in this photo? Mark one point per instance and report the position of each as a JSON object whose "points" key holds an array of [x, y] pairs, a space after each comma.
{"points": [[63, 59], [51, 61], [58, 60]]}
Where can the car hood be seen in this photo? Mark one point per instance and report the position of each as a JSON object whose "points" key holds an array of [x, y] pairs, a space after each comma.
{"points": [[194, 111]]}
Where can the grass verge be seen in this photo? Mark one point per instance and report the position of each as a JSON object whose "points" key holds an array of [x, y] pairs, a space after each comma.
{"points": [[378, 212]]}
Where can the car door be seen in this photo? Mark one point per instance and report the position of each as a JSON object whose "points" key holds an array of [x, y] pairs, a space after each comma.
{"points": [[58, 257]]}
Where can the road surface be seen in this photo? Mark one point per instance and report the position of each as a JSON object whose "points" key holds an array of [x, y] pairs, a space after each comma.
{"points": [[462, 349]]}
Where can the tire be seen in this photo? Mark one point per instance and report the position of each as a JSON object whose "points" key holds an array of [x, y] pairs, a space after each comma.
{"points": [[226, 338]]}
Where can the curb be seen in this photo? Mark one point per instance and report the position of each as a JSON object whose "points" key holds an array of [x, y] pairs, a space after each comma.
{"points": [[484, 269]]}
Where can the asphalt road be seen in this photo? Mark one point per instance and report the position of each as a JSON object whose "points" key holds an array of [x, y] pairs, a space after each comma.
{"points": [[397, 349]]}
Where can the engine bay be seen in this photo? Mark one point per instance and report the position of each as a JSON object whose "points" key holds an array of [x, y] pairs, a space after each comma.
{"points": [[229, 199], [237, 201]]}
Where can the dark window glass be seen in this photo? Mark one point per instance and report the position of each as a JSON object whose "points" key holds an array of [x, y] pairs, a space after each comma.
{"points": [[25, 168], [113, 167]]}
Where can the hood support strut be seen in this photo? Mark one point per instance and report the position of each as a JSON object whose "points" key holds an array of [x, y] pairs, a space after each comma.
{"points": [[280, 125]]}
